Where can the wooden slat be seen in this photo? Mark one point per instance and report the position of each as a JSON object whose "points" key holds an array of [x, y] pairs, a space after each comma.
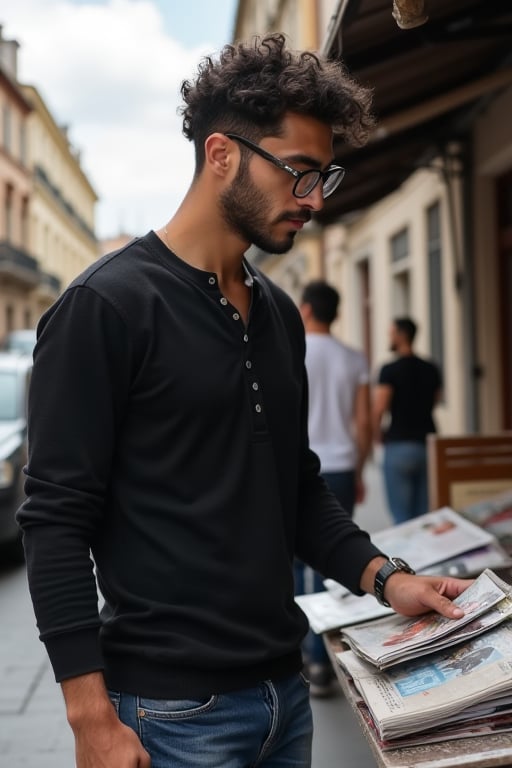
{"points": [[466, 459]]}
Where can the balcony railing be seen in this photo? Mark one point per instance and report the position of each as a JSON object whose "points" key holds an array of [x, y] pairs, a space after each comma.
{"points": [[16, 264]]}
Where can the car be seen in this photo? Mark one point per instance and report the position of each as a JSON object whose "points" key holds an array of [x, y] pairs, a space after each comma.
{"points": [[15, 371], [22, 341]]}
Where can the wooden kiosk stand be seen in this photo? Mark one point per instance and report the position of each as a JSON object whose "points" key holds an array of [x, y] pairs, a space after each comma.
{"points": [[478, 752], [468, 469], [463, 470]]}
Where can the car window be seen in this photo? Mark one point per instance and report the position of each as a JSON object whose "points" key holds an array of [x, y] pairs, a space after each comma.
{"points": [[8, 396]]}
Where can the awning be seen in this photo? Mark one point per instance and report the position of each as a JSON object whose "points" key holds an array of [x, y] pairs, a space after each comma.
{"points": [[429, 82]]}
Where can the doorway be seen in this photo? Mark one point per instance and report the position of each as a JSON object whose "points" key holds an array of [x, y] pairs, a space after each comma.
{"points": [[504, 200]]}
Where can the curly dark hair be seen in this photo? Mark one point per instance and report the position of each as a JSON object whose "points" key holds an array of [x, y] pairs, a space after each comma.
{"points": [[251, 86]]}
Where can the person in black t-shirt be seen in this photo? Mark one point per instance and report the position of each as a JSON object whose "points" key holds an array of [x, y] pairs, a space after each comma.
{"points": [[407, 391]]}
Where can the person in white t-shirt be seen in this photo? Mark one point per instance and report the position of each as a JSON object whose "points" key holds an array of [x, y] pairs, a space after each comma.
{"points": [[339, 432]]}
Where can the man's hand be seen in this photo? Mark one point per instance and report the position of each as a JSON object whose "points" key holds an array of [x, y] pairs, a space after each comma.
{"points": [[108, 744], [101, 739], [413, 595]]}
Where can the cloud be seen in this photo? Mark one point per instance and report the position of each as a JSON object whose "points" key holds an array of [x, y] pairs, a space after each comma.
{"points": [[110, 71]]}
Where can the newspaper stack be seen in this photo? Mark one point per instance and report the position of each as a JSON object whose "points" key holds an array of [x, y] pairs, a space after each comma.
{"points": [[448, 688], [395, 639]]}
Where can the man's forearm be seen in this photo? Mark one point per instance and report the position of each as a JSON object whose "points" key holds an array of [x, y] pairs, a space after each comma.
{"points": [[101, 739], [86, 697], [369, 573]]}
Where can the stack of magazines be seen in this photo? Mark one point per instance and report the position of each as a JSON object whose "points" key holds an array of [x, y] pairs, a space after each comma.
{"points": [[429, 678]]}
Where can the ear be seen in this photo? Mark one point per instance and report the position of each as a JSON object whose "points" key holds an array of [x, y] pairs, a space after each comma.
{"points": [[221, 155]]}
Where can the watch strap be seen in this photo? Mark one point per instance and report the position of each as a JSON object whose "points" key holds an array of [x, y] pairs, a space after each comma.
{"points": [[393, 565]]}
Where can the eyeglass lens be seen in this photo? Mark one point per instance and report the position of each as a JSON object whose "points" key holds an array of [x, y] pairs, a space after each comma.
{"points": [[310, 179]]}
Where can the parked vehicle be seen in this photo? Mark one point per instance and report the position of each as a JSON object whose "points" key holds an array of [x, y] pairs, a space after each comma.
{"points": [[15, 373], [22, 341]]}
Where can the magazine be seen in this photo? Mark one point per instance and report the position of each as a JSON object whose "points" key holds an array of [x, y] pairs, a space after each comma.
{"points": [[470, 728], [494, 515], [392, 640], [435, 689], [326, 611], [432, 538], [470, 564]]}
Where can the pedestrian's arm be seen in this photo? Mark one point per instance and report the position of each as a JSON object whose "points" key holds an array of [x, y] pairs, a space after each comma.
{"points": [[363, 433], [381, 403], [101, 739]]}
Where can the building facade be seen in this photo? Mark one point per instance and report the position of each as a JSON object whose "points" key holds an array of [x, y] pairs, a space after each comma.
{"points": [[46, 203], [423, 222], [19, 273]]}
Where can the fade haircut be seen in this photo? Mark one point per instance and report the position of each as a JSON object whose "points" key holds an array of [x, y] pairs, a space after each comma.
{"points": [[323, 300], [406, 326], [250, 87]]}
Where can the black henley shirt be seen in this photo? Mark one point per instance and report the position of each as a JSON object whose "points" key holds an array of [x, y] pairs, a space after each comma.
{"points": [[169, 441]]}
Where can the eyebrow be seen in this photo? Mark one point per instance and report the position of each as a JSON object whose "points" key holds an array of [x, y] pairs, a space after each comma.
{"points": [[305, 160]]}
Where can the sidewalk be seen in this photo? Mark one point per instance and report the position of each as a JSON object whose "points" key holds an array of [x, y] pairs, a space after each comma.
{"points": [[338, 741], [33, 729]]}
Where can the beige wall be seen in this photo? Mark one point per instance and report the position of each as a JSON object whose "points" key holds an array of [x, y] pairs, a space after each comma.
{"points": [[304, 22], [369, 238]]}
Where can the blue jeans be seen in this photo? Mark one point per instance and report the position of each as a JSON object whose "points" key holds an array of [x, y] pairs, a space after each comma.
{"points": [[343, 485], [269, 725], [405, 478]]}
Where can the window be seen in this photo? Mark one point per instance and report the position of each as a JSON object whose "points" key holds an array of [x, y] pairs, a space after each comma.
{"points": [[365, 304], [8, 213], [400, 246], [9, 317], [401, 293], [400, 285], [435, 281], [23, 144], [6, 118]]}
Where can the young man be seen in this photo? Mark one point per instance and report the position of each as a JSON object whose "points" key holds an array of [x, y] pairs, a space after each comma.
{"points": [[340, 434], [407, 390], [168, 437]]}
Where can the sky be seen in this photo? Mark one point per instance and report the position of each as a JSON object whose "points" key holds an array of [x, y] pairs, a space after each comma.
{"points": [[111, 70]]}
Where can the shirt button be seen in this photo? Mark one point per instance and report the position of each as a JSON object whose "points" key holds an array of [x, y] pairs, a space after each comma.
{"points": [[211, 280], [257, 408], [248, 364], [236, 316], [246, 338], [255, 386], [223, 301]]}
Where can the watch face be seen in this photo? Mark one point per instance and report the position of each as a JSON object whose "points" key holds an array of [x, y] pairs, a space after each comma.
{"points": [[401, 564]]}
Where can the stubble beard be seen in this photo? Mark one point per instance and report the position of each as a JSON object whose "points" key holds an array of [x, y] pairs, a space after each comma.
{"points": [[246, 211]]}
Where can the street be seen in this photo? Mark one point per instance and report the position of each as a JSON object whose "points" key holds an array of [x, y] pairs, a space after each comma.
{"points": [[33, 729]]}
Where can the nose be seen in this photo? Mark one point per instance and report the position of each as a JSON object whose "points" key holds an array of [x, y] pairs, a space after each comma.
{"points": [[315, 199]]}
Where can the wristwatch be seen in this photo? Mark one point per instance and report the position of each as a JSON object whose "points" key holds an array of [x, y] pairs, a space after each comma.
{"points": [[393, 565]]}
